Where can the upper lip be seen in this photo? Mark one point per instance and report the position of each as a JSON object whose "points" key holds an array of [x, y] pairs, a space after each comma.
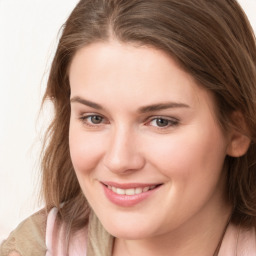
{"points": [[129, 185]]}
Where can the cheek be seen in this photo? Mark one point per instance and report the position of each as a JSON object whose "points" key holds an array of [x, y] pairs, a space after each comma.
{"points": [[85, 150], [192, 164], [190, 154]]}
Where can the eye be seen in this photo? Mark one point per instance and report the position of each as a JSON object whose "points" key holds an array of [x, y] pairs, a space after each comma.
{"points": [[92, 120], [161, 122], [95, 119]]}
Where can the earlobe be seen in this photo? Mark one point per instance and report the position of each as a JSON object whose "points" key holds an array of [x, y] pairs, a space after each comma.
{"points": [[239, 140]]}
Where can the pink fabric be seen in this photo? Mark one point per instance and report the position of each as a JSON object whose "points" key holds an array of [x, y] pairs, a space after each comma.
{"points": [[55, 237], [236, 242], [49, 231]]}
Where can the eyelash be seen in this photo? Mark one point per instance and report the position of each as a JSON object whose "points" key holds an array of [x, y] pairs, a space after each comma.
{"points": [[171, 122], [85, 121]]}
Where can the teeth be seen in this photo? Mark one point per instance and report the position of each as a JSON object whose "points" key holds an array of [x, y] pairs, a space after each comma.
{"points": [[130, 191], [120, 191], [145, 189], [138, 190]]}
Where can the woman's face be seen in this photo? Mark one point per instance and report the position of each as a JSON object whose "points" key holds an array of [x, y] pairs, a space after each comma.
{"points": [[144, 141]]}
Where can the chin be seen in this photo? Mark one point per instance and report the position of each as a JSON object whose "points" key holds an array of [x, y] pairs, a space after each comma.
{"points": [[128, 230], [128, 234]]}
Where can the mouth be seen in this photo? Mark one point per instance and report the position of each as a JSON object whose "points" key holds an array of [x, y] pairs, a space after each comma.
{"points": [[130, 189], [129, 194]]}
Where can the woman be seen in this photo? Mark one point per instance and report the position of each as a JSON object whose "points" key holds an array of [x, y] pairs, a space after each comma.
{"points": [[152, 147]]}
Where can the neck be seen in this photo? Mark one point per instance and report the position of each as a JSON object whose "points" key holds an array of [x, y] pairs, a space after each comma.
{"points": [[199, 236]]}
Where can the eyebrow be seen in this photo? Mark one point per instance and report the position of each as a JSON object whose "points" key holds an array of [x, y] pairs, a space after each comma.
{"points": [[143, 109], [162, 106], [86, 102]]}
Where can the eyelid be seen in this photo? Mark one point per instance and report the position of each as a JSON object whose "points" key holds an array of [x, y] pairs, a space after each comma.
{"points": [[172, 121], [84, 119]]}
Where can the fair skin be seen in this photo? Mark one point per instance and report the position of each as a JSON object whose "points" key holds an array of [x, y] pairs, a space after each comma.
{"points": [[138, 118]]}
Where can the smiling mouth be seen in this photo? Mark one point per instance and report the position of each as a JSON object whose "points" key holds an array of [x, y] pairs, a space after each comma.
{"points": [[129, 194], [131, 191]]}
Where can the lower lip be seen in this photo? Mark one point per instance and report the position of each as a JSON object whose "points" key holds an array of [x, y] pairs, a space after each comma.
{"points": [[126, 200]]}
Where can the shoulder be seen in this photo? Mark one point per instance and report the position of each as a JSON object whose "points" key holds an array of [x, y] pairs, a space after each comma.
{"points": [[28, 238]]}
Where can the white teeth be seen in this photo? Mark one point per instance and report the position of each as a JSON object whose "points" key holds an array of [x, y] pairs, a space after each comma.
{"points": [[120, 191], [130, 191], [138, 191]]}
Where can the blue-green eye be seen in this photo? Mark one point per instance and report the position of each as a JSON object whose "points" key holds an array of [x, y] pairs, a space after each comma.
{"points": [[92, 119], [95, 119], [163, 122]]}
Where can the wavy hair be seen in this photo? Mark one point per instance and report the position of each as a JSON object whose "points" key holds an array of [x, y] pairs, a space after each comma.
{"points": [[211, 39]]}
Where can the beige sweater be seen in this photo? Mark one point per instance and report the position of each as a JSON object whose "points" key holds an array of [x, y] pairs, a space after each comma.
{"points": [[28, 239]]}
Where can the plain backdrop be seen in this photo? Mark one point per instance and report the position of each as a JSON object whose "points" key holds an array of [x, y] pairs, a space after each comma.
{"points": [[28, 37]]}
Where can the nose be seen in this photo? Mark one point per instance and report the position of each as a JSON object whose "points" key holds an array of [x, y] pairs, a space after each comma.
{"points": [[123, 154]]}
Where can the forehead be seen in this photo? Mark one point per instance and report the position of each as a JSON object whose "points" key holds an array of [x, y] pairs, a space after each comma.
{"points": [[114, 70]]}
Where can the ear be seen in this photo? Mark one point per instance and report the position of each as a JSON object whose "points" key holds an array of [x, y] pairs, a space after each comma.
{"points": [[239, 140]]}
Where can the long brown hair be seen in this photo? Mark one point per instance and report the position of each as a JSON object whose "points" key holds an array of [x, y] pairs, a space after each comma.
{"points": [[210, 39]]}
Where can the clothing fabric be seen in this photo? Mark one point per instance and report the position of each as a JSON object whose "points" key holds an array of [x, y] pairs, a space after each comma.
{"points": [[238, 242], [41, 235], [55, 239], [28, 239]]}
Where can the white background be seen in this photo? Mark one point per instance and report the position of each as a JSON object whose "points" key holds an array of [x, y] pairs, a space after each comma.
{"points": [[28, 37]]}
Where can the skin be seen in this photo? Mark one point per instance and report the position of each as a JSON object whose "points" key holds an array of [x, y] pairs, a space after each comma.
{"points": [[113, 140]]}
